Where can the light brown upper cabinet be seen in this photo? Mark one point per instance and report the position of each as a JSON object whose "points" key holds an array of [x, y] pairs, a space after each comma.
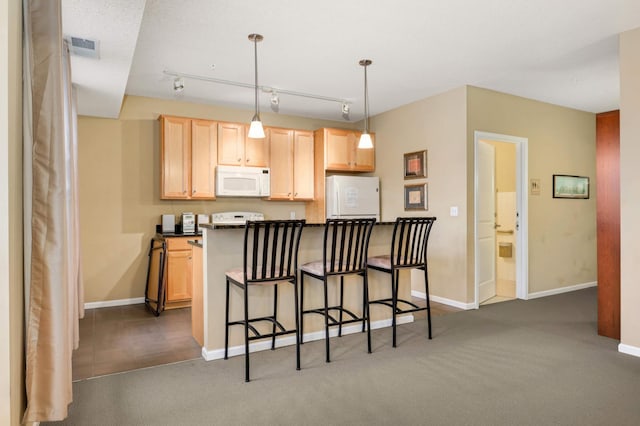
{"points": [[291, 153], [188, 156], [341, 151], [236, 149]]}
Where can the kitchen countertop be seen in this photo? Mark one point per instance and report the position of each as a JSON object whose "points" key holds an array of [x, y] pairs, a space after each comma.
{"points": [[241, 226], [195, 243]]}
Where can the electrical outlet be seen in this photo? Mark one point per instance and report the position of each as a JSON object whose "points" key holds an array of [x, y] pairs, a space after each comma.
{"points": [[292, 215]]}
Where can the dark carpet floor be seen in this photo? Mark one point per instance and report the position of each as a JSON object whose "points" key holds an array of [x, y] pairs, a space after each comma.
{"points": [[537, 362]]}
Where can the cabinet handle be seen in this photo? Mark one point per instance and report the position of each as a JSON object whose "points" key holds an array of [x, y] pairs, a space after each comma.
{"points": [[248, 160], [288, 194], [295, 195], [184, 192], [239, 159], [194, 191]]}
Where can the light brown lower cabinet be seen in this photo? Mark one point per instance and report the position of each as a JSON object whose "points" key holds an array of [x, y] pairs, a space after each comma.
{"points": [[179, 272]]}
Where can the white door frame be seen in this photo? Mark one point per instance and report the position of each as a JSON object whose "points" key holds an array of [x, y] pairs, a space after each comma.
{"points": [[522, 207]]}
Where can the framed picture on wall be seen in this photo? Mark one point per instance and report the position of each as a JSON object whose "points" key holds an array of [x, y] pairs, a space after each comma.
{"points": [[415, 197], [415, 165], [566, 186]]}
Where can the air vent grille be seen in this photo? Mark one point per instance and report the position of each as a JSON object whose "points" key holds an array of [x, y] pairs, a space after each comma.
{"points": [[83, 47]]}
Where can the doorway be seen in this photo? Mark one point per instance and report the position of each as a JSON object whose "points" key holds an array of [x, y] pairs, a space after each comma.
{"points": [[500, 201]]}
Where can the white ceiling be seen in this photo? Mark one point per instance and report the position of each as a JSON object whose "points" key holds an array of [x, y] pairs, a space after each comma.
{"points": [[560, 51]]}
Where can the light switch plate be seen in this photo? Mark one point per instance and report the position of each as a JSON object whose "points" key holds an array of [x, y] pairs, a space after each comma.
{"points": [[453, 211]]}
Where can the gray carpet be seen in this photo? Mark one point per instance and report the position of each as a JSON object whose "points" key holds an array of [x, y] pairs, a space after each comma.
{"points": [[537, 362]]}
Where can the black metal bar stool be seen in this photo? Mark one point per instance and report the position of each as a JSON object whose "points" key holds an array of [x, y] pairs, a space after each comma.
{"points": [[270, 257], [408, 251], [346, 242]]}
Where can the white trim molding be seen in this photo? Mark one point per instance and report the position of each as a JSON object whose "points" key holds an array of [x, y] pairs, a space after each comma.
{"points": [[444, 300], [117, 302], [210, 355], [629, 350], [561, 290]]}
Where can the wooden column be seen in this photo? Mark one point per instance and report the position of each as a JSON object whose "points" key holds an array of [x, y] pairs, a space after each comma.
{"points": [[608, 214]]}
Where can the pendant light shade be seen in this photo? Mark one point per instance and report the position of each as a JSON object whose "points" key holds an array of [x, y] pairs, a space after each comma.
{"points": [[365, 139], [255, 130]]}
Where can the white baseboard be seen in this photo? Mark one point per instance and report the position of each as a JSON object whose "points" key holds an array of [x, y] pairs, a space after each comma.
{"points": [[210, 355], [443, 300], [110, 303], [629, 350], [561, 290]]}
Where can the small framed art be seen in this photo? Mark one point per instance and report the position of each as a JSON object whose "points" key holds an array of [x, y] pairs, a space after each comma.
{"points": [[565, 186], [415, 197], [415, 165]]}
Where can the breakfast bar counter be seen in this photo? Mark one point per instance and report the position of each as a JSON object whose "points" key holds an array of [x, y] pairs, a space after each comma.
{"points": [[222, 250]]}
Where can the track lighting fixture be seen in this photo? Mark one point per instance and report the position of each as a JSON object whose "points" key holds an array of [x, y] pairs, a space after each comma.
{"points": [[345, 111], [178, 85]]}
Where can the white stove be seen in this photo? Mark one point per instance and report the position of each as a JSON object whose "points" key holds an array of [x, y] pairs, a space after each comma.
{"points": [[234, 218]]}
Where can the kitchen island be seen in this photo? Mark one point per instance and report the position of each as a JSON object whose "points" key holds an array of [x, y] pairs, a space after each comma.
{"points": [[222, 250]]}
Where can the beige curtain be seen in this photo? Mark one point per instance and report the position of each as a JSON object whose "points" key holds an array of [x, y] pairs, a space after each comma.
{"points": [[54, 278]]}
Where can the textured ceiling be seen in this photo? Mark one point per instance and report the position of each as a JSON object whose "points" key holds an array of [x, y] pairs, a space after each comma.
{"points": [[563, 52]]}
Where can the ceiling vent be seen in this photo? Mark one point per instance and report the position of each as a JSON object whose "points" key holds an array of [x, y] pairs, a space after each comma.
{"points": [[83, 47]]}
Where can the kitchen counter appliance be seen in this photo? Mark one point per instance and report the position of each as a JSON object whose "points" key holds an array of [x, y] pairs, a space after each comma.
{"points": [[234, 218]]}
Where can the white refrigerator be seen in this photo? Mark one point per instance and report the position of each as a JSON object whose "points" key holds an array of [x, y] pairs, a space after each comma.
{"points": [[349, 197]]}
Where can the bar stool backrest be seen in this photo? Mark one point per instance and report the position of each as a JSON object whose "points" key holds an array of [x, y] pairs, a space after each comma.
{"points": [[409, 241], [271, 249], [346, 244]]}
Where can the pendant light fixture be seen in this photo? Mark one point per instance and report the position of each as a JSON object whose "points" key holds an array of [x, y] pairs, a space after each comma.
{"points": [[255, 130], [365, 139]]}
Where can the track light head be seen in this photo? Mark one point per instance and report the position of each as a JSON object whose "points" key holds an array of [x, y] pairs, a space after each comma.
{"points": [[178, 85]]}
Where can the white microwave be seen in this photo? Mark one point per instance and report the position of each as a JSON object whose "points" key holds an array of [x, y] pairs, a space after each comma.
{"points": [[234, 181]]}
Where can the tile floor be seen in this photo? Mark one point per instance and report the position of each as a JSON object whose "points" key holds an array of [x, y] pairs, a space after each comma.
{"points": [[123, 338]]}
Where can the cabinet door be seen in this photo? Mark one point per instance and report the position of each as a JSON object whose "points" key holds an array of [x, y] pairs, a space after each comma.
{"points": [[256, 151], [231, 144], [338, 149], [364, 158], [203, 159], [303, 161], [175, 153], [281, 147], [179, 271]]}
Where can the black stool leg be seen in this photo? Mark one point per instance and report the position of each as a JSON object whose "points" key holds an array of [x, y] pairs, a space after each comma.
{"points": [[301, 308], [341, 300], [226, 324], [326, 319], [296, 313], [275, 315], [365, 309], [246, 333], [394, 302], [426, 289]]}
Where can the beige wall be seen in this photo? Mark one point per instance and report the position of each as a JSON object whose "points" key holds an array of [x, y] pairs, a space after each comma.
{"points": [[437, 124], [562, 233], [630, 187], [12, 400], [119, 169]]}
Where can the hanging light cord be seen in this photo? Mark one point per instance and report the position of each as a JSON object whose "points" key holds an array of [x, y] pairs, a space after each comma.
{"points": [[366, 102], [255, 57]]}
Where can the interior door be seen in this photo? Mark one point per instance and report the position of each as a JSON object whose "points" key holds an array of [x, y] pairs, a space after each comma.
{"points": [[486, 216]]}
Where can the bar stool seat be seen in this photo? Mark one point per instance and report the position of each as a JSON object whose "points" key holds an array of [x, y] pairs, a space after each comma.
{"points": [[270, 257], [408, 251], [345, 247]]}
